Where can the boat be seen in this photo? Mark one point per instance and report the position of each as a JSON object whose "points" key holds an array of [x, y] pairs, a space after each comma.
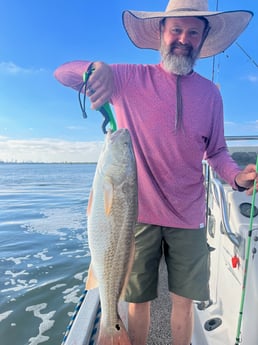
{"points": [[230, 316]]}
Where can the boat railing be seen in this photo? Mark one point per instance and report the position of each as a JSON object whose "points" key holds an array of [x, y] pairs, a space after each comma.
{"points": [[220, 197], [215, 186]]}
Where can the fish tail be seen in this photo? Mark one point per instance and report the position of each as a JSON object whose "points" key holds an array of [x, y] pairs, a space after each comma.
{"points": [[117, 336]]}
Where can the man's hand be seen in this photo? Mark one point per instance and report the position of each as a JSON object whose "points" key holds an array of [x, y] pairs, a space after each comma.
{"points": [[246, 178], [100, 85]]}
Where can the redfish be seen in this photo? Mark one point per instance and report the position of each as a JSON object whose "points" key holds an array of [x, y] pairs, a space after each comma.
{"points": [[112, 214]]}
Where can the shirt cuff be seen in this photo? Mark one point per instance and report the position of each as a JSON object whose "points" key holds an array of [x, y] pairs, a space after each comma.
{"points": [[239, 188]]}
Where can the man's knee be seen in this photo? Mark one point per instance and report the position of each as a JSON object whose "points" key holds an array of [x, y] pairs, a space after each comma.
{"points": [[181, 303], [139, 307]]}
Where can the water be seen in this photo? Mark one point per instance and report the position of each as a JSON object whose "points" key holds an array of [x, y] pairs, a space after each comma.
{"points": [[44, 253]]}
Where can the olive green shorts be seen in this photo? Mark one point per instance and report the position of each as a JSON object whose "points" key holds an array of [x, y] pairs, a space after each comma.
{"points": [[187, 257]]}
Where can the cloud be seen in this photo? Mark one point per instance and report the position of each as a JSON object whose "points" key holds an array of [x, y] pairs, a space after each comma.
{"points": [[246, 129], [3, 137], [11, 68], [48, 150], [75, 128], [253, 78], [230, 123]]}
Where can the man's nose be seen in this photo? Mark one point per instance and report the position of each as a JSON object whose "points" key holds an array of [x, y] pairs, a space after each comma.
{"points": [[183, 38]]}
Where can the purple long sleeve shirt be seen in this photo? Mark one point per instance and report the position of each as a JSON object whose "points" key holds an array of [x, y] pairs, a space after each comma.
{"points": [[169, 160]]}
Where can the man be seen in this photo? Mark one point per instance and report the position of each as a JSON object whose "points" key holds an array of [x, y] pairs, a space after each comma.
{"points": [[175, 118]]}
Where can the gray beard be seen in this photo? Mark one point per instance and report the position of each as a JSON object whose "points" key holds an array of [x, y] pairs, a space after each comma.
{"points": [[180, 65]]}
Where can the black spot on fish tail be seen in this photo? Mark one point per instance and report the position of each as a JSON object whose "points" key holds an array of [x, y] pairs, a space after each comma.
{"points": [[118, 327]]}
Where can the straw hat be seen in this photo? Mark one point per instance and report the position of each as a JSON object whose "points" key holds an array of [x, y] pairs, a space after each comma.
{"points": [[144, 31]]}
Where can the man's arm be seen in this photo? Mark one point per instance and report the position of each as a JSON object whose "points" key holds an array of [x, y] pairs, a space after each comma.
{"points": [[100, 83]]}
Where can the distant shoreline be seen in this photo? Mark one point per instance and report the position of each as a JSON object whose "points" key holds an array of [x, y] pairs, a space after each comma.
{"points": [[48, 162]]}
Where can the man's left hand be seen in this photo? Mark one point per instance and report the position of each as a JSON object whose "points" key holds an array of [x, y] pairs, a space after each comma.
{"points": [[246, 178]]}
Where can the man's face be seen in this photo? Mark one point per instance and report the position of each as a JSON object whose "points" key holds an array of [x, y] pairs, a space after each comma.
{"points": [[181, 40]]}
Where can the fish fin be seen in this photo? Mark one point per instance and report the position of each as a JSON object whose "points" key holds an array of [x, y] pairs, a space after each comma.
{"points": [[89, 207], [116, 336], [108, 195], [91, 282]]}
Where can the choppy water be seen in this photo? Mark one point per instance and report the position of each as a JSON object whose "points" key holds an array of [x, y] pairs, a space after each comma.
{"points": [[44, 253]]}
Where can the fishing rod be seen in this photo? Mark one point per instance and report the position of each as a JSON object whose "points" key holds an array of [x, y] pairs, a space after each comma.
{"points": [[240, 318]]}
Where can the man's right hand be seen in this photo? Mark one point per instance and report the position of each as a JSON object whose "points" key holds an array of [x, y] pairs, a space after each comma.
{"points": [[100, 85]]}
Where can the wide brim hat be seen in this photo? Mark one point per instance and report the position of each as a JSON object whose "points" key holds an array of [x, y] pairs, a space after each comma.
{"points": [[143, 28]]}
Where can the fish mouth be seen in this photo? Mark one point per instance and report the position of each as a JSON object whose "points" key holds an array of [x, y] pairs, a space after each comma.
{"points": [[124, 132]]}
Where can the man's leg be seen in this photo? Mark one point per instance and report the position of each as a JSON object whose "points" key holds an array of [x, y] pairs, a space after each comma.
{"points": [[143, 281], [187, 256], [139, 322], [181, 320]]}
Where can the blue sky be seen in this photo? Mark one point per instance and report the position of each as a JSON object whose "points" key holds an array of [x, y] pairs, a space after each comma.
{"points": [[40, 120]]}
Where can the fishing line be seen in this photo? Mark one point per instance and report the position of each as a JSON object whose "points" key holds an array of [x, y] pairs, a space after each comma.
{"points": [[214, 57], [249, 56], [240, 318]]}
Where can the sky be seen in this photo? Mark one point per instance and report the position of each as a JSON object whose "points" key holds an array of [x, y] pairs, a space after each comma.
{"points": [[40, 119]]}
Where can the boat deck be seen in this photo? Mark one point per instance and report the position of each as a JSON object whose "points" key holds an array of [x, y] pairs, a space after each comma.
{"points": [[160, 313]]}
